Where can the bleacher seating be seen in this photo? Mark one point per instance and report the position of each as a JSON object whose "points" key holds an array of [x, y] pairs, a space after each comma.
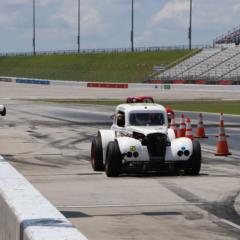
{"points": [[210, 64], [184, 66], [225, 67]]}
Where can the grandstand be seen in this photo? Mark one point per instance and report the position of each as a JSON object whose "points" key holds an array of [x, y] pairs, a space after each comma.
{"points": [[232, 36], [217, 65], [213, 66]]}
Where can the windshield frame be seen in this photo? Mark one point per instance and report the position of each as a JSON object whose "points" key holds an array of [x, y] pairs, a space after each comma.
{"points": [[147, 112]]}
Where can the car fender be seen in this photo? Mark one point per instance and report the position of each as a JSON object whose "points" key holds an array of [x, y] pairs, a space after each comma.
{"points": [[171, 134], [184, 145], [132, 145], [106, 137]]}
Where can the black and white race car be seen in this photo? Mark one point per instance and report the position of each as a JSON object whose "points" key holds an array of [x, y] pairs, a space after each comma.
{"points": [[140, 140]]}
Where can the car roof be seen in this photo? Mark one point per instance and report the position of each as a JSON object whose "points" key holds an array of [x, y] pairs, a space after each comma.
{"points": [[140, 107]]}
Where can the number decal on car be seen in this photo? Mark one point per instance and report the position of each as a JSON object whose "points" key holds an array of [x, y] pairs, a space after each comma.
{"points": [[132, 149]]}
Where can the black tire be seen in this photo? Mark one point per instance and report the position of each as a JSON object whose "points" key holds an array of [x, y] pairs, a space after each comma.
{"points": [[195, 160], [97, 154], [113, 160], [3, 113]]}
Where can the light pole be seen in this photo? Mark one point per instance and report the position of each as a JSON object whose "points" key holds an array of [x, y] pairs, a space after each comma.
{"points": [[132, 29], [78, 38], [190, 27], [34, 28]]}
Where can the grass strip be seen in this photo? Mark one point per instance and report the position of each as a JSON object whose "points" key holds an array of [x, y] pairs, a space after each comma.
{"points": [[99, 67]]}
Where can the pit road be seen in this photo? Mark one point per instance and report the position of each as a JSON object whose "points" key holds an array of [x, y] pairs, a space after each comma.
{"points": [[50, 145]]}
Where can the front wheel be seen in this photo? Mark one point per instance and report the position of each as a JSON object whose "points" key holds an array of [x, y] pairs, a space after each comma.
{"points": [[195, 160], [113, 160], [97, 154]]}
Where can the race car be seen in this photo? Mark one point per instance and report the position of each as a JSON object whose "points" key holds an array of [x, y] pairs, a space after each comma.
{"points": [[140, 99], [3, 110], [148, 99], [140, 140]]}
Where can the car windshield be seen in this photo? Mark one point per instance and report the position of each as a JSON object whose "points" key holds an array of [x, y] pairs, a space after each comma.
{"points": [[146, 119], [147, 100]]}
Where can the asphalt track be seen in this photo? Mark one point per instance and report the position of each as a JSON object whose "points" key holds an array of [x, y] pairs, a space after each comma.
{"points": [[50, 145]]}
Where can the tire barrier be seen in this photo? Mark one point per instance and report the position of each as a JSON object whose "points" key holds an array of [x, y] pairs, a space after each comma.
{"points": [[26, 214]]}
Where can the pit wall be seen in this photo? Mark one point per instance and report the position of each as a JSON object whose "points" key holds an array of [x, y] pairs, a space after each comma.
{"points": [[26, 214], [162, 87]]}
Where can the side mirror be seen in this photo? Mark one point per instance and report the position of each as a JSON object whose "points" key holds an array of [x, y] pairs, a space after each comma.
{"points": [[112, 116]]}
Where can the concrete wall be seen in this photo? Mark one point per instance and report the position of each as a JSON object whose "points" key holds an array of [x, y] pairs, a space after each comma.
{"points": [[162, 87], [25, 214]]}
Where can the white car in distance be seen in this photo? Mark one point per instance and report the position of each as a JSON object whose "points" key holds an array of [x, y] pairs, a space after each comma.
{"points": [[140, 140], [3, 110]]}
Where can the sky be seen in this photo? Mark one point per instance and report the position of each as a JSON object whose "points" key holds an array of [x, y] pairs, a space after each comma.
{"points": [[107, 23]]}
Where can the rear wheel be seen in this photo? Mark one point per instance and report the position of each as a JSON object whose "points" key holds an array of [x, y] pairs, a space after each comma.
{"points": [[113, 160], [195, 160], [97, 154]]}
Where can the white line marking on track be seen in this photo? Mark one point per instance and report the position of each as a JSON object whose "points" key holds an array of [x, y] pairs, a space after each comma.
{"points": [[230, 223], [131, 205]]}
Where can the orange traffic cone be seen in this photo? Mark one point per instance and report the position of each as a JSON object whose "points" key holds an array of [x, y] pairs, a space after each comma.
{"points": [[222, 145], [200, 132], [189, 129], [173, 125], [182, 128], [221, 121]]}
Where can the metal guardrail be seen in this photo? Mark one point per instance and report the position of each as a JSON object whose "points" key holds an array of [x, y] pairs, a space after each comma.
{"points": [[105, 50]]}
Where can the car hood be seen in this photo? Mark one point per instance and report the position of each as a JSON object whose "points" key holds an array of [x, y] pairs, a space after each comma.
{"points": [[148, 129]]}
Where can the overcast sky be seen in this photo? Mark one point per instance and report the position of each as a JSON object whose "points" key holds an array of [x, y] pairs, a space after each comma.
{"points": [[107, 23]]}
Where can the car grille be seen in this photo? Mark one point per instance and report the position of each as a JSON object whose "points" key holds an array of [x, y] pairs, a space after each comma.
{"points": [[156, 144]]}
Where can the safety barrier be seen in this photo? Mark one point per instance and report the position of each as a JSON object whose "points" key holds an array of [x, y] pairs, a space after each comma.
{"points": [[225, 82], [200, 81], [26, 214], [32, 81], [194, 81], [5, 79], [107, 85], [200, 85]]}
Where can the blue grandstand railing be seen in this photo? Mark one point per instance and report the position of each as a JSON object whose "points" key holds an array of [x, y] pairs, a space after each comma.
{"points": [[104, 50]]}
